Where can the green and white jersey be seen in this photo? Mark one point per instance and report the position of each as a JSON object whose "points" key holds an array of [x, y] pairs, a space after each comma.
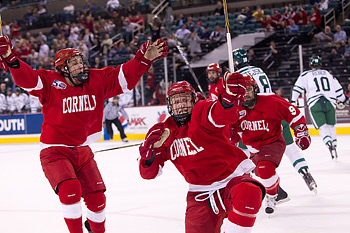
{"points": [[259, 76], [318, 83]]}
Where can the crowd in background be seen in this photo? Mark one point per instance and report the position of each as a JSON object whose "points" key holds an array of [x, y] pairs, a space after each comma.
{"points": [[115, 37]]}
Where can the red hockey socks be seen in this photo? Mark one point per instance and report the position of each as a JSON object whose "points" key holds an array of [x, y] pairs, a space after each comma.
{"points": [[246, 202], [266, 170], [96, 203], [69, 192]]}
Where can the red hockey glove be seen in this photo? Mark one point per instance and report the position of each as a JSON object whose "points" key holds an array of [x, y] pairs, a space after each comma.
{"points": [[155, 138], [149, 53], [6, 50], [302, 136], [233, 89]]}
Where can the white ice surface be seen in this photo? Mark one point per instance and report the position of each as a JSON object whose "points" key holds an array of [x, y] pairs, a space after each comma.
{"points": [[28, 204]]}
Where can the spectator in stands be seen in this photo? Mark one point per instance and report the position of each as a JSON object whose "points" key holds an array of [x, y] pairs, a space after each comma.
{"points": [[315, 19], [129, 29], [44, 53], [279, 92], [180, 20], [33, 59], [347, 49], [3, 88], [293, 28], [3, 104], [41, 37], [155, 31], [159, 94], [14, 30], [205, 37], [326, 36], [219, 10], [6, 30], [269, 28], [21, 101], [97, 63], [347, 90], [324, 5], [259, 14], [218, 35], [199, 29], [29, 18], [10, 100], [190, 24], [272, 57], [340, 35], [34, 103], [248, 15], [106, 44], [336, 53], [42, 10], [55, 30], [68, 13], [182, 32], [194, 45], [112, 5], [139, 19], [24, 50], [253, 61], [302, 16]]}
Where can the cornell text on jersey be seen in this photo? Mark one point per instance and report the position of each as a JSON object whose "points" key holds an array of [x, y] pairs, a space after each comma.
{"points": [[183, 147], [82, 103]]}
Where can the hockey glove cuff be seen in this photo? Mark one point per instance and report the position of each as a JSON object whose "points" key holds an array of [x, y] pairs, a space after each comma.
{"points": [[302, 136]]}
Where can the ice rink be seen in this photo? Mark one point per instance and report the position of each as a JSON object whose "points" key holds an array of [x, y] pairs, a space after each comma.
{"points": [[28, 204]]}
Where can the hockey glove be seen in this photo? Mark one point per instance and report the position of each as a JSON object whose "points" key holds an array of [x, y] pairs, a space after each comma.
{"points": [[302, 136], [6, 50], [155, 138], [233, 90], [149, 53]]}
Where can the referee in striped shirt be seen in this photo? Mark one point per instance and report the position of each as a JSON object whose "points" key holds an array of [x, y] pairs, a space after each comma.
{"points": [[111, 114]]}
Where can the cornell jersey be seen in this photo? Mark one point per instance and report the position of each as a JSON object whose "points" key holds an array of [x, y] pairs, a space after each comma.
{"points": [[65, 106], [259, 76], [196, 146], [262, 125], [318, 83]]}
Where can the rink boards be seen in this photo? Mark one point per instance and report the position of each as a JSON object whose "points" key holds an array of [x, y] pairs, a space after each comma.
{"points": [[26, 128]]}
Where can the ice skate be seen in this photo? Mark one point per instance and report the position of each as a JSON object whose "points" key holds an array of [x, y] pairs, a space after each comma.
{"points": [[125, 140], [87, 226], [282, 196], [332, 150], [270, 203], [309, 180]]}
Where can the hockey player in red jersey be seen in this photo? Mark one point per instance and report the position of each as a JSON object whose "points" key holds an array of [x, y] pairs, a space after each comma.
{"points": [[196, 140], [73, 101], [260, 128], [214, 72]]}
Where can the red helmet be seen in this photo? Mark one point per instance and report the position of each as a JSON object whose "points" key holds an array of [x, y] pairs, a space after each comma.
{"points": [[215, 67], [180, 87], [63, 55], [250, 81]]}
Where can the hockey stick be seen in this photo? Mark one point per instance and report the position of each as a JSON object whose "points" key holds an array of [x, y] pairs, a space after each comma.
{"points": [[186, 61], [116, 148], [228, 38]]}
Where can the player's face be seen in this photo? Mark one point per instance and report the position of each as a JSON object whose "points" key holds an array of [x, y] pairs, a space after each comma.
{"points": [[213, 75], [181, 103], [249, 94], [75, 66]]}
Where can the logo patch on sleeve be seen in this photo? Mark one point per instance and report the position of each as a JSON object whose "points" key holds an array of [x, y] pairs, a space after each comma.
{"points": [[59, 85], [242, 113]]}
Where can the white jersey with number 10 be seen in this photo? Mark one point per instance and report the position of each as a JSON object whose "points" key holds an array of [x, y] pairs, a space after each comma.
{"points": [[317, 84], [259, 76]]}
